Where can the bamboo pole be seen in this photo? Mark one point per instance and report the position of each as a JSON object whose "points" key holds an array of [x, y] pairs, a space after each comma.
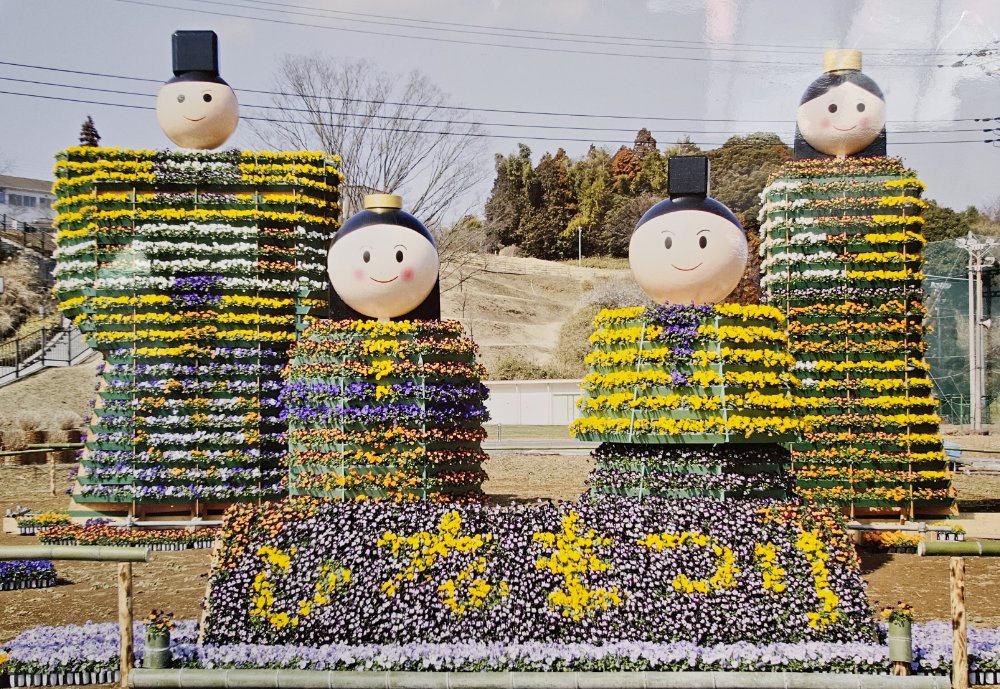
{"points": [[958, 548], [52, 472], [959, 640], [191, 678], [127, 657], [91, 553]]}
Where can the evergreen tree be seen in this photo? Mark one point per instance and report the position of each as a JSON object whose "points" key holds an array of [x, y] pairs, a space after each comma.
{"points": [[590, 180], [88, 133], [545, 229], [644, 144], [509, 199]]}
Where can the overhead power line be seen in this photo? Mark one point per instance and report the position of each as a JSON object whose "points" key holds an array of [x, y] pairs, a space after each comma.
{"points": [[431, 120], [536, 34], [539, 113], [446, 133], [480, 44], [630, 38]]}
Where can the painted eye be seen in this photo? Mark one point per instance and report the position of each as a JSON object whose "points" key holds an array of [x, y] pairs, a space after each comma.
{"points": [[832, 107], [399, 257], [367, 256], [180, 97], [207, 98], [668, 242], [703, 241], [861, 107]]}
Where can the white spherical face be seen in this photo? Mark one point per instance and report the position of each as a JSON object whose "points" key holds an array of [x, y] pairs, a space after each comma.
{"points": [[197, 114], [383, 271], [843, 121], [688, 256]]}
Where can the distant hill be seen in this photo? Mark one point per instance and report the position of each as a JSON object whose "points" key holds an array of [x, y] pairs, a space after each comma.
{"points": [[516, 306]]}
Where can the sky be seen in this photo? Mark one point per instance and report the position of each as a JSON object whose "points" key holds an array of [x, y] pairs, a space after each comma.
{"points": [[548, 73]]}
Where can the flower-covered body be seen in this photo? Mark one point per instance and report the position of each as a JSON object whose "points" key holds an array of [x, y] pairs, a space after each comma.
{"points": [[385, 410], [192, 272], [842, 248]]}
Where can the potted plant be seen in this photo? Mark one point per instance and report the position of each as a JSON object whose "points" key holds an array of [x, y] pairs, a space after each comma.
{"points": [[158, 625], [899, 619]]}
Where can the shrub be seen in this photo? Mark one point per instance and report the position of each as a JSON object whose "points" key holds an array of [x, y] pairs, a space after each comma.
{"points": [[515, 367]]}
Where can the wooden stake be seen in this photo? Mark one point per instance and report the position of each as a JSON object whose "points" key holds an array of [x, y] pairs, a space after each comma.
{"points": [[52, 472], [959, 640], [127, 656]]}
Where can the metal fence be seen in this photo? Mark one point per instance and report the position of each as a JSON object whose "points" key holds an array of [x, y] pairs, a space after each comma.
{"points": [[58, 346], [37, 235]]}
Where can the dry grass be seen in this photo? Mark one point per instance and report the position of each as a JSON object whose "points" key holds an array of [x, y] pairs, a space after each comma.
{"points": [[22, 296], [51, 394]]}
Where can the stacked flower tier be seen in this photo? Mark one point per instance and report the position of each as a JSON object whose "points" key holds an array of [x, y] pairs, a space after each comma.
{"points": [[390, 410], [192, 272], [688, 374], [843, 252], [695, 470]]}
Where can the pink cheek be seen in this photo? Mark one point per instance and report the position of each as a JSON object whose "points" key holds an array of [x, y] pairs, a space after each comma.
{"points": [[824, 123], [407, 274], [359, 274], [865, 123]]}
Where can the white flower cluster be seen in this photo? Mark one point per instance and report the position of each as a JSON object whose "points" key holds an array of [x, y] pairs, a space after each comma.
{"points": [[193, 228], [154, 247], [818, 275], [797, 239], [73, 249], [793, 257]]}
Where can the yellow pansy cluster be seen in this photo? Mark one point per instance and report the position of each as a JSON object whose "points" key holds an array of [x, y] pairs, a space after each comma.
{"points": [[575, 555], [811, 545], [725, 573], [766, 555], [424, 549]]}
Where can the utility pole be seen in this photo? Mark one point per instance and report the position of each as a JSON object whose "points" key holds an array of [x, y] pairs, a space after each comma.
{"points": [[979, 258]]}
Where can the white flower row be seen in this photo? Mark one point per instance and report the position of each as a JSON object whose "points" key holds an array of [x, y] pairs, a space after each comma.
{"points": [[89, 245], [793, 257], [162, 283], [802, 274], [779, 187]]}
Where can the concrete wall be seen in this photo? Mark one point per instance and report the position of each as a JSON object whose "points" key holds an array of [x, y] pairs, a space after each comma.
{"points": [[533, 402]]}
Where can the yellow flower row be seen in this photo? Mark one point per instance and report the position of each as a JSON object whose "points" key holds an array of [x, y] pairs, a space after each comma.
{"points": [[905, 274], [904, 236], [197, 215], [811, 545], [748, 425], [643, 379], [766, 358]]}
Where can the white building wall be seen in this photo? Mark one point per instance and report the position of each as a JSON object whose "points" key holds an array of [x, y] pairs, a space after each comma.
{"points": [[533, 402]]}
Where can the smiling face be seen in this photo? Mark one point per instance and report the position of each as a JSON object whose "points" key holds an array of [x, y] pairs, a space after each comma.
{"points": [[688, 256], [844, 120], [197, 114], [383, 271]]}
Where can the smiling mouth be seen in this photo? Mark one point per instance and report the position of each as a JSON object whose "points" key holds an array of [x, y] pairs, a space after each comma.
{"points": [[382, 281], [686, 269], [190, 119], [843, 130]]}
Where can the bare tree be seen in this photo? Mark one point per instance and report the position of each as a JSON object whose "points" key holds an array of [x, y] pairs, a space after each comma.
{"points": [[394, 134]]}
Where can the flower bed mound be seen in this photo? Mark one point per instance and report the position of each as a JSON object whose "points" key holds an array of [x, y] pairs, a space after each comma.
{"points": [[607, 569]]}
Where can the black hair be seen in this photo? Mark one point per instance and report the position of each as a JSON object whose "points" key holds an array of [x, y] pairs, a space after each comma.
{"points": [[831, 80], [705, 204], [429, 309]]}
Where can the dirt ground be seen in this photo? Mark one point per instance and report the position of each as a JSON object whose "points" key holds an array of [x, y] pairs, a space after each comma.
{"points": [[175, 581]]}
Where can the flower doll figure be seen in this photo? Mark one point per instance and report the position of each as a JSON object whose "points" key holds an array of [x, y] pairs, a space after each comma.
{"points": [[385, 399], [689, 248], [197, 109], [842, 113], [192, 271], [383, 264], [695, 391]]}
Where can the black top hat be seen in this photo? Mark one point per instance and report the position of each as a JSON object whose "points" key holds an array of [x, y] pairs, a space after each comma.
{"points": [[196, 57]]}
